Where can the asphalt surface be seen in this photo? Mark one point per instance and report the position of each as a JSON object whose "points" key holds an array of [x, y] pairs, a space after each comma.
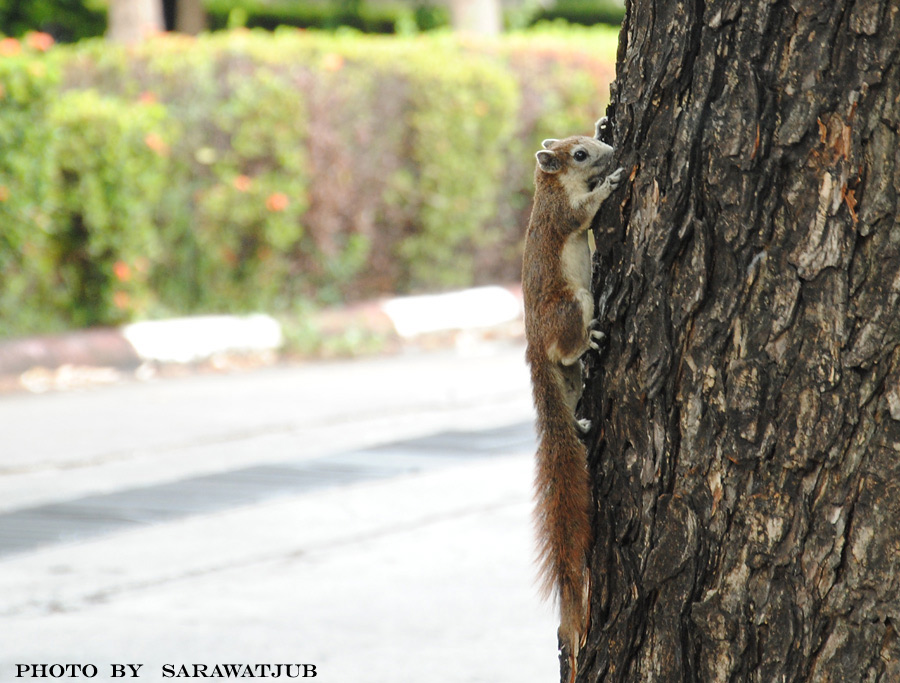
{"points": [[368, 518]]}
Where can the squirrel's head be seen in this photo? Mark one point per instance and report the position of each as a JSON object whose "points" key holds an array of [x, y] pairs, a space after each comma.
{"points": [[575, 160]]}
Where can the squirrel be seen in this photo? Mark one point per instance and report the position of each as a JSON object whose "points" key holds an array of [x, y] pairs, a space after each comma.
{"points": [[559, 311]]}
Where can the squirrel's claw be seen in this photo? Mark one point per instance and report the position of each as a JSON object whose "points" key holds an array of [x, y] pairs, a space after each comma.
{"points": [[615, 178], [596, 338], [603, 130]]}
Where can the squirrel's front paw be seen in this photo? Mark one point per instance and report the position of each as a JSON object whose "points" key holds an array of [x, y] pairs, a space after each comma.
{"points": [[596, 337], [615, 178], [603, 130]]}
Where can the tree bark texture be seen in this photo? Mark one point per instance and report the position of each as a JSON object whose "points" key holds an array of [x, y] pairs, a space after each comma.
{"points": [[746, 442]]}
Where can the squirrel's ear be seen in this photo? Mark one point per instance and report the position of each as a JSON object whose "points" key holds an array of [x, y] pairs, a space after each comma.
{"points": [[548, 161], [549, 141]]}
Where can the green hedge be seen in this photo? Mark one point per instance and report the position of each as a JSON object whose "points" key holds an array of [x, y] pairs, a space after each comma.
{"points": [[380, 18], [245, 171], [67, 20], [27, 199], [584, 12], [71, 20], [394, 18], [110, 174]]}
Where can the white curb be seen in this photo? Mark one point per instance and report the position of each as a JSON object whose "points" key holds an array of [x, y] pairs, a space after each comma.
{"points": [[186, 340], [471, 308]]}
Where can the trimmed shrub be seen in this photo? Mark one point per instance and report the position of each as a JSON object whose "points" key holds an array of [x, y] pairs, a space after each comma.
{"points": [[584, 12], [380, 18], [236, 191], [66, 20], [27, 199], [111, 166], [245, 177], [461, 124], [244, 171]]}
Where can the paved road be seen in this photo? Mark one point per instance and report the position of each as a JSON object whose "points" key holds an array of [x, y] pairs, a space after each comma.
{"points": [[370, 518]]}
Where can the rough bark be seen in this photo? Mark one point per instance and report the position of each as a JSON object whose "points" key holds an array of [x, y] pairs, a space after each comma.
{"points": [[746, 451]]}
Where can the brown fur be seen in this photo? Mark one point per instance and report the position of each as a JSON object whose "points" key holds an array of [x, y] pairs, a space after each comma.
{"points": [[558, 312]]}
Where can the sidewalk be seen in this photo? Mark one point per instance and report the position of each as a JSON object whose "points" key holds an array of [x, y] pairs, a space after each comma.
{"points": [[104, 355], [425, 577], [369, 517]]}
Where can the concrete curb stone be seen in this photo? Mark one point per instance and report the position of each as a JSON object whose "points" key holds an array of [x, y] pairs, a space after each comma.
{"points": [[100, 347], [494, 311]]}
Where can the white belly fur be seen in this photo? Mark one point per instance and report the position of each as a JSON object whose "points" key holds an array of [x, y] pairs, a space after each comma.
{"points": [[576, 266]]}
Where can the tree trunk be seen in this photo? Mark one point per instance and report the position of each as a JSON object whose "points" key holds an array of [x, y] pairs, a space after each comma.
{"points": [[746, 450], [190, 17], [476, 16], [131, 21]]}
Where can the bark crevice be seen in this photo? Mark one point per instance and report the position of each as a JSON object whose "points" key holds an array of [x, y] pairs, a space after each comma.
{"points": [[747, 405]]}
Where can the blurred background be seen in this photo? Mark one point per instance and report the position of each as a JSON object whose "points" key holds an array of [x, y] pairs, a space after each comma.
{"points": [[148, 174], [354, 503]]}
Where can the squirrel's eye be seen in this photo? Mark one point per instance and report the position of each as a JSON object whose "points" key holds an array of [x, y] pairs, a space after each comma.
{"points": [[580, 155]]}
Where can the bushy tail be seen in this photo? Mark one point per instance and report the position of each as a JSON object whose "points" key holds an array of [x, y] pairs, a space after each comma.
{"points": [[563, 511]]}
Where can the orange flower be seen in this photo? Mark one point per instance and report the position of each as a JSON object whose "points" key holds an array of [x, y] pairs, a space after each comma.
{"points": [[122, 271], [10, 47], [121, 300], [147, 97], [157, 144], [277, 201], [332, 62], [242, 183], [39, 41], [229, 256]]}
